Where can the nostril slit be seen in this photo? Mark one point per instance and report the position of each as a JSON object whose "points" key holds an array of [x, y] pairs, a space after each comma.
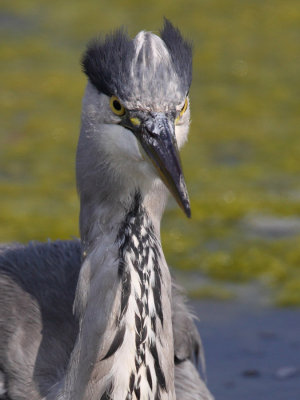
{"points": [[151, 130]]}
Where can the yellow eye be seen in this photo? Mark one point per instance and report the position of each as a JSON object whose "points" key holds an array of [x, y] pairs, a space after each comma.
{"points": [[183, 110], [116, 106]]}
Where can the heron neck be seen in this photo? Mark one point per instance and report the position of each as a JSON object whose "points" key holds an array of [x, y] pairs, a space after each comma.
{"points": [[102, 214], [123, 302]]}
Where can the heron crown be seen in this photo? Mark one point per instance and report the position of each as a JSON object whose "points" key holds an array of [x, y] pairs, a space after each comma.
{"points": [[147, 72]]}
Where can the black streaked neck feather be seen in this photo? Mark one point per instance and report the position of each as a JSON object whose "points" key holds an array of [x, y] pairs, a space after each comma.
{"points": [[136, 239]]}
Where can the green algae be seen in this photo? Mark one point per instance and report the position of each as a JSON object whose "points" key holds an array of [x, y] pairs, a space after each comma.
{"points": [[213, 292]]}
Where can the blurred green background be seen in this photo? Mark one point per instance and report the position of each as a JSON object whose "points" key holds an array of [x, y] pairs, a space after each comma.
{"points": [[242, 161]]}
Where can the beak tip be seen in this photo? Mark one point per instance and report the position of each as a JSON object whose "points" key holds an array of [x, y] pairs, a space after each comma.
{"points": [[187, 211], [184, 204]]}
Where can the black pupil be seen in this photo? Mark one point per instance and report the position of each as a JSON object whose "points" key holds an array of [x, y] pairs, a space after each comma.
{"points": [[117, 105]]}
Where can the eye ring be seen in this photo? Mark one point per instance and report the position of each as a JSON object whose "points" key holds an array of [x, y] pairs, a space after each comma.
{"points": [[183, 110], [185, 106], [116, 106]]}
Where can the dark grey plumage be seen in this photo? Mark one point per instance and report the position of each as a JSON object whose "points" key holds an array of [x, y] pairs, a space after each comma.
{"points": [[38, 285], [107, 62]]}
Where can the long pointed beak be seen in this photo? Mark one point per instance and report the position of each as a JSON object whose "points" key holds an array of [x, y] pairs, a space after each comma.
{"points": [[157, 137]]}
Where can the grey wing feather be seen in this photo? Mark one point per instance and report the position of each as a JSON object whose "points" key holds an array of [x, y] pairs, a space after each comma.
{"points": [[37, 326], [187, 341], [188, 384], [188, 351]]}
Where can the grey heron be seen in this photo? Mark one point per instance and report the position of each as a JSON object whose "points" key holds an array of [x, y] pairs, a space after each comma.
{"points": [[100, 318]]}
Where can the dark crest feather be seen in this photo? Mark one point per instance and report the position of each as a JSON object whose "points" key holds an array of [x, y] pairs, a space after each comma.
{"points": [[180, 51], [107, 61]]}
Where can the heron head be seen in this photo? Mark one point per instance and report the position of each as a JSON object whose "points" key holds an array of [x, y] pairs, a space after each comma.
{"points": [[136, 107]]}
